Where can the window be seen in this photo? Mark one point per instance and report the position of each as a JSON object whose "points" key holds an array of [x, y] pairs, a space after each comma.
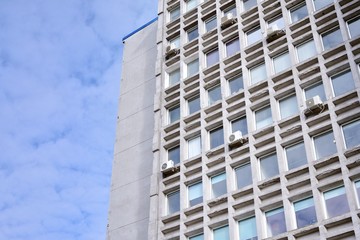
{"points": [[193, 105], [221, 233], [218, 185], [210, 24], [212, 57], [253, 36], [216, 137], [194, 146], [195, 194], [232, 47], [305, 212], [288, 106], [357, 188], [214, 95], [192, 34], [269, 166], [299, 12], [239, 124], [173, 202], [315, 89], [192, 68], [174, 114], [191, 4], [296, 155], [331, 38], [263, 117], [322, 3], [174, 154], [336, 202], [197, 237], [324, 145], [258, 73], [231, 9], [174, 77], [278, 22], [249, 4], [306, 50], [354, 27], [235, 84], [175, 41], [281, 62], [351, 133], [243, 175], [174, 13], [247, 229], [275, 220], [342, 83]]}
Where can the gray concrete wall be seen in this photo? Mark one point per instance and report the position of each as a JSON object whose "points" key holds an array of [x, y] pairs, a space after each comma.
{"points": [[132, 166]]}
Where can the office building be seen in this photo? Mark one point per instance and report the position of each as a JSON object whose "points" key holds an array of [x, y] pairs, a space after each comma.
{"points": [[240, 120]]}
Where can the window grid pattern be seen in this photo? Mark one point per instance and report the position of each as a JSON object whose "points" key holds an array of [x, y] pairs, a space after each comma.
{"points": [[264, 91]]}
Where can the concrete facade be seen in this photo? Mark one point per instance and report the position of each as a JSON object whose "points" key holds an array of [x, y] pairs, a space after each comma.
{"points": [[293, 173]]}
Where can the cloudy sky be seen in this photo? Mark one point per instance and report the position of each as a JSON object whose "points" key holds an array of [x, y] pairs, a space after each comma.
{"points": [[60, 66]]}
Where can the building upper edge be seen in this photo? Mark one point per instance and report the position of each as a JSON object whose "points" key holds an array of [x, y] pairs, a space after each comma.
{"points": [[139, 29]]}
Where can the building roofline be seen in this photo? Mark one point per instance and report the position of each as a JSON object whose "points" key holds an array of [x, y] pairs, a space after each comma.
{"points": [[139, 29]]}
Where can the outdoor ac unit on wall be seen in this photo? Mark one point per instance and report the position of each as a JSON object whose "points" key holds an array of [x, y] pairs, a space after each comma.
{"points": [[166, 166], [228, 20], [313, 103], [235, 138]]}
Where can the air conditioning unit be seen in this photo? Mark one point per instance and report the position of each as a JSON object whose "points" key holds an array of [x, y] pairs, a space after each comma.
{"points": [[228, 20], [313, 103], [171, 51], [273, 33], [235, 138], [167, 166]]}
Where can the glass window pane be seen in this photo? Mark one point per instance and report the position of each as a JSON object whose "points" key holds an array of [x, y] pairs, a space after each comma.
{"points": [[210, 24], [306, 50], [174, 154], [236, 84], [247, 229], [173, 202], [316, 89], [275, 220], [239, 124], [331, 39], [197, 237], [354, 27], [305, 212], [214, 94], [192, 34], [174, 14], [322, 3], [277, 21], [357, 187], [336, 202], [191, 4], [352, 134], [324, 145], [231, 10], [195, 194], [175, 41], [258, 73], [192, 68], [342, 83], [194, 147], [221, 233], [253, 36], [218, 185], [298, 13], [212, 57], [296, 155], [174, 114], [232, 47], [269, 166], [193, 105], [174, 77], [216, 137], [281, 62], [263, 117], [249, 4], [288, 107], [243, 175]]}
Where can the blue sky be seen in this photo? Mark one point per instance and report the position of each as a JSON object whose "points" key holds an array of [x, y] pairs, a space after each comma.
{"points": [[60, 68]]}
